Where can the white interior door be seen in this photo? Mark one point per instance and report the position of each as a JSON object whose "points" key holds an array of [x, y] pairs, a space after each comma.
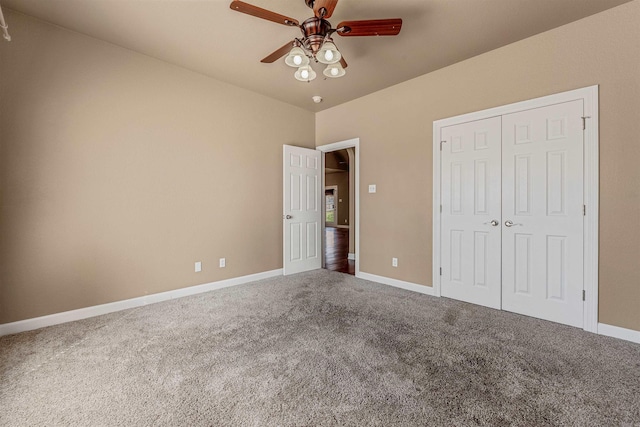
{"points": [[471, 208], [542, 252], [302, 213]]}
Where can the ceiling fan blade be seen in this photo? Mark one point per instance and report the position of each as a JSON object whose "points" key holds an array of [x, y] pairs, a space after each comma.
{"points": [[343, 62], [249, 9], [278, 53], [324, 8], [371, 27]]}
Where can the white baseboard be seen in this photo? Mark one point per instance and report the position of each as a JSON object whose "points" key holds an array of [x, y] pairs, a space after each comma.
{"points": [[427, 290], [97, 310], [603, 329], [618, 332], [352, 256]]}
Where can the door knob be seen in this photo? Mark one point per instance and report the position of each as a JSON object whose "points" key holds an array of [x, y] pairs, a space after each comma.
{"points": [[509, 223], [288, 216], [494, 222]]}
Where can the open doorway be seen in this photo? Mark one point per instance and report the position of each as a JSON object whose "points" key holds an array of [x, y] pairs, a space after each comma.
{"points": [[339, 241], [352, 146]]}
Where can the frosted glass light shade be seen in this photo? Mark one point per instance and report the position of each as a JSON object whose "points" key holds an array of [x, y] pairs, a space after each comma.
{"points": [[305, 74], [328, 53], [334, 71], [296, 58]]}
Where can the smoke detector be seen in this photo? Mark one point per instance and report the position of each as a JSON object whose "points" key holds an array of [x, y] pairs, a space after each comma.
{"points": [[317, 99]]}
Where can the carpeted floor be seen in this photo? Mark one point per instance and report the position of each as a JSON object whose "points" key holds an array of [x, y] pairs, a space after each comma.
{"points": [[318, 348]]}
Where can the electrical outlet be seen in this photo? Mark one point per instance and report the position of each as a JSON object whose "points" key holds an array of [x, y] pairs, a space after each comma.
{"points": [[372, 188], [394, 262], [223, 262], [198, 267]]}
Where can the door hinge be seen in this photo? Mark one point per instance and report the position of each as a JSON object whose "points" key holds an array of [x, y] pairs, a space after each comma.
{"points": [[584, 210], [441, 271], [584, 295], [442, 142], [584, 121]]}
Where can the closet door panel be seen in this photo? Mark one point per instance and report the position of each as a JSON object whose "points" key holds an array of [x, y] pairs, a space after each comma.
{"points": [[542, 212], [471, 193]]}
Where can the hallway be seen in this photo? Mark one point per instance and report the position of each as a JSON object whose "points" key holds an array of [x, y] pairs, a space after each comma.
{"points": [[336, 250]]}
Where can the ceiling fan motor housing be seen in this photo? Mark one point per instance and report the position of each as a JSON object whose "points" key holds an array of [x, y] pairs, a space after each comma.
{"points": [[315, 30]]}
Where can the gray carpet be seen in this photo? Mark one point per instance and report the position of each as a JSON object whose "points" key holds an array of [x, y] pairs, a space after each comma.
{"points": [[318, 348]]}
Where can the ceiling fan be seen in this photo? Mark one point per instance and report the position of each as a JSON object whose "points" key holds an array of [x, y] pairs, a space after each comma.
{"points": [[316, 42]]}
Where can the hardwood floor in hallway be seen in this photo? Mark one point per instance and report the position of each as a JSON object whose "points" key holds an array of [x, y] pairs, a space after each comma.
{"points": [[336, 250]]}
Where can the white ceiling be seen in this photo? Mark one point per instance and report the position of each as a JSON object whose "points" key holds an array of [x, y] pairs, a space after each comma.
{"points": [[206, 36]]}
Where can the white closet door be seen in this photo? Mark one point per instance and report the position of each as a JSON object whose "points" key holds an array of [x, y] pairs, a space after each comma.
{"points": [[542, 252], [471, 193]]}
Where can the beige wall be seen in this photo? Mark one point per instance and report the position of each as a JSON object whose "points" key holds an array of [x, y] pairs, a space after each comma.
{"points": [[341, 179], [118, 172], [395, 131]]}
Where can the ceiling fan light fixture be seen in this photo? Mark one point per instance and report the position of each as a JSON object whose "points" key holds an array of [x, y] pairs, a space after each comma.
{"points": [[334, 71], [316, 42], [328, 53], [305, 74], [297, 58]]}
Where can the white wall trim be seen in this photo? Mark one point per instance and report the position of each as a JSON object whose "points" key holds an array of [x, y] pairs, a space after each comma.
{"points": [[589, 95], [592, 201], [437, 201], [98, 310], [427, 290], [351, 256], [618, 332], [349, 143]]}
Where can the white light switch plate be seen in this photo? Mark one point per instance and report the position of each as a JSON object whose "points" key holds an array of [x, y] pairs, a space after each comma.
{"points": [[223, 262], [372, 188], [198, 267]]}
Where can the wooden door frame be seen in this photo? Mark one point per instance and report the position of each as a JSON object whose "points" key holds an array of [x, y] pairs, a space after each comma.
{"points": [[589, 96], [355, 144]]}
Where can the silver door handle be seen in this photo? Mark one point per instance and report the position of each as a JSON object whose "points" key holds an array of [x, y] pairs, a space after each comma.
{"points": [[494, 222], [510, 223], [288, 216]]}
